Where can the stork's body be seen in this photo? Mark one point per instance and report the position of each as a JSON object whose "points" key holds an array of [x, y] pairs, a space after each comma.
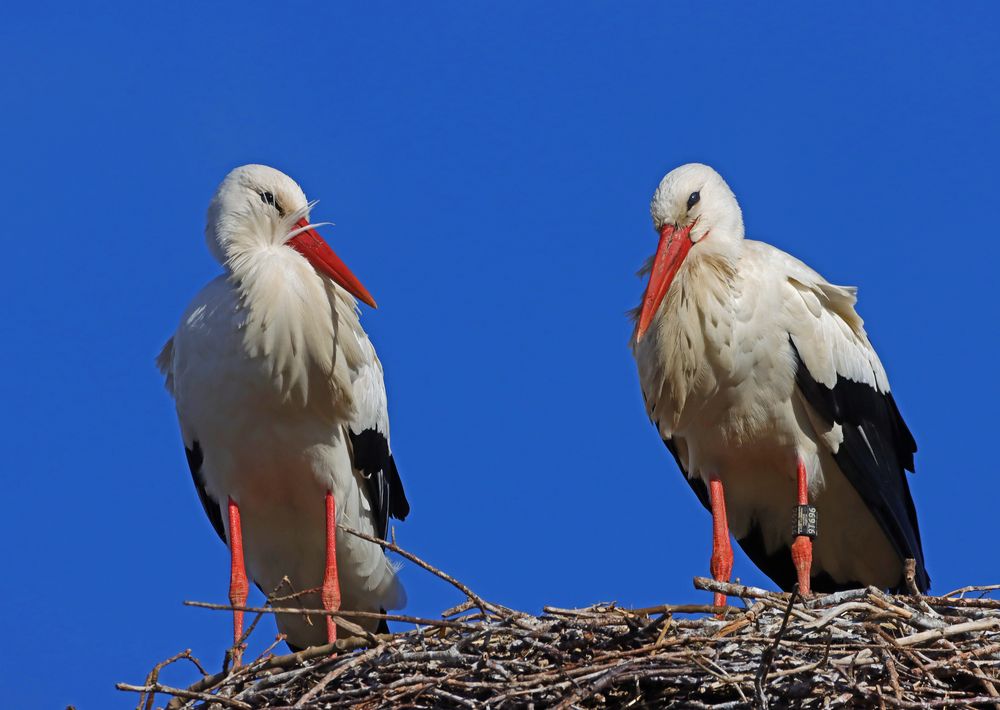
{"points": [[282, 409], [759, 373]]}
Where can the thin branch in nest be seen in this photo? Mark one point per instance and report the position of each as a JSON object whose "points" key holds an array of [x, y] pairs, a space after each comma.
{"points": [[947, 631], [182, 693], [740, 591], [981, 589], [767, 657], [341, 615], [154, 676], [483, 605]]}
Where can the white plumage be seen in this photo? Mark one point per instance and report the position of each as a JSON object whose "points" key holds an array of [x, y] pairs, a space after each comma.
{"points": [[274, 381], [750, 361]]}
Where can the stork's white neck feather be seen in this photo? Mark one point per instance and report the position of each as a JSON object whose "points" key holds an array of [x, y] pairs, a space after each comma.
{"points": [[676, 350], [289, 318], [674, 355], [300, 325]]}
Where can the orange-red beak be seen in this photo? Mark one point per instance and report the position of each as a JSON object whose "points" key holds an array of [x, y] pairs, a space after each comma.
{"points": [[310, 245], [674, 246]]}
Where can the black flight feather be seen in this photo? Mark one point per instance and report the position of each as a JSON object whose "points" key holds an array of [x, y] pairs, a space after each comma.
{"points": [[195, 459], [385, 489]]}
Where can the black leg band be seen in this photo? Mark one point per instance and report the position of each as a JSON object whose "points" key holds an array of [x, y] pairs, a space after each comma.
{"points": [[806, 520]]}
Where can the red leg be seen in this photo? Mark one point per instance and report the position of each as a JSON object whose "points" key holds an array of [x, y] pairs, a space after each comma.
{"points": [[237, 579], [805, 529], [722, 551], [331, 584]]}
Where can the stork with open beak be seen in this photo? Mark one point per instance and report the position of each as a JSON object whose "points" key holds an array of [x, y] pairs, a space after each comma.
{"points": [[761, 381], [282, 409]]}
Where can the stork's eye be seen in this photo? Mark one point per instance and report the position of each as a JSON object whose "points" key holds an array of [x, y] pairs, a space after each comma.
{"points": [[268, 199], [693, 199]]}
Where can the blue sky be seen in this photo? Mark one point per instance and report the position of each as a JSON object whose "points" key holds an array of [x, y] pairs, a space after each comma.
{"points": [[489, 169]]}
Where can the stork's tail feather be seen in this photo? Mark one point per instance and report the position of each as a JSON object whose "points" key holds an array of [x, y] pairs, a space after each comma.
{"points": [[383, 625]]}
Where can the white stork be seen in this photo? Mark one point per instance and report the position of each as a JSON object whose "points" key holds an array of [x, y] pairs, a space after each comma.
{"points": [[762, 383], [282, 409]]}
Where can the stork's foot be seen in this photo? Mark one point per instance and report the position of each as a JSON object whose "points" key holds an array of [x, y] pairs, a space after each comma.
{"points": [[721, 563], [330, 593], [238, 586]]}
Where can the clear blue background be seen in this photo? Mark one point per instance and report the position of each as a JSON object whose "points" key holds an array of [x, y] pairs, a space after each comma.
{"points": [[489, 170]]}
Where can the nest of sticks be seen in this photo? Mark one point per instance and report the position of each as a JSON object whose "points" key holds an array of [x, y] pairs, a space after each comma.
{"points": [[858, 648]]}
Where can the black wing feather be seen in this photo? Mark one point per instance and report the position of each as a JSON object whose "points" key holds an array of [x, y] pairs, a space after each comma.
{"points": [[697, 485], [385, 489], [383, 625], [878, 473], [195, 459]]}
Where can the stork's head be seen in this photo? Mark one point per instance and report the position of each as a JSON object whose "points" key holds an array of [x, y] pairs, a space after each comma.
{"points": [[259, 208], [693, 210]]}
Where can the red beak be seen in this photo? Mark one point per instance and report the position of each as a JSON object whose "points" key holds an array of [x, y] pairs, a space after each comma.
{"points": [[310, 245], [674, 246]]}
